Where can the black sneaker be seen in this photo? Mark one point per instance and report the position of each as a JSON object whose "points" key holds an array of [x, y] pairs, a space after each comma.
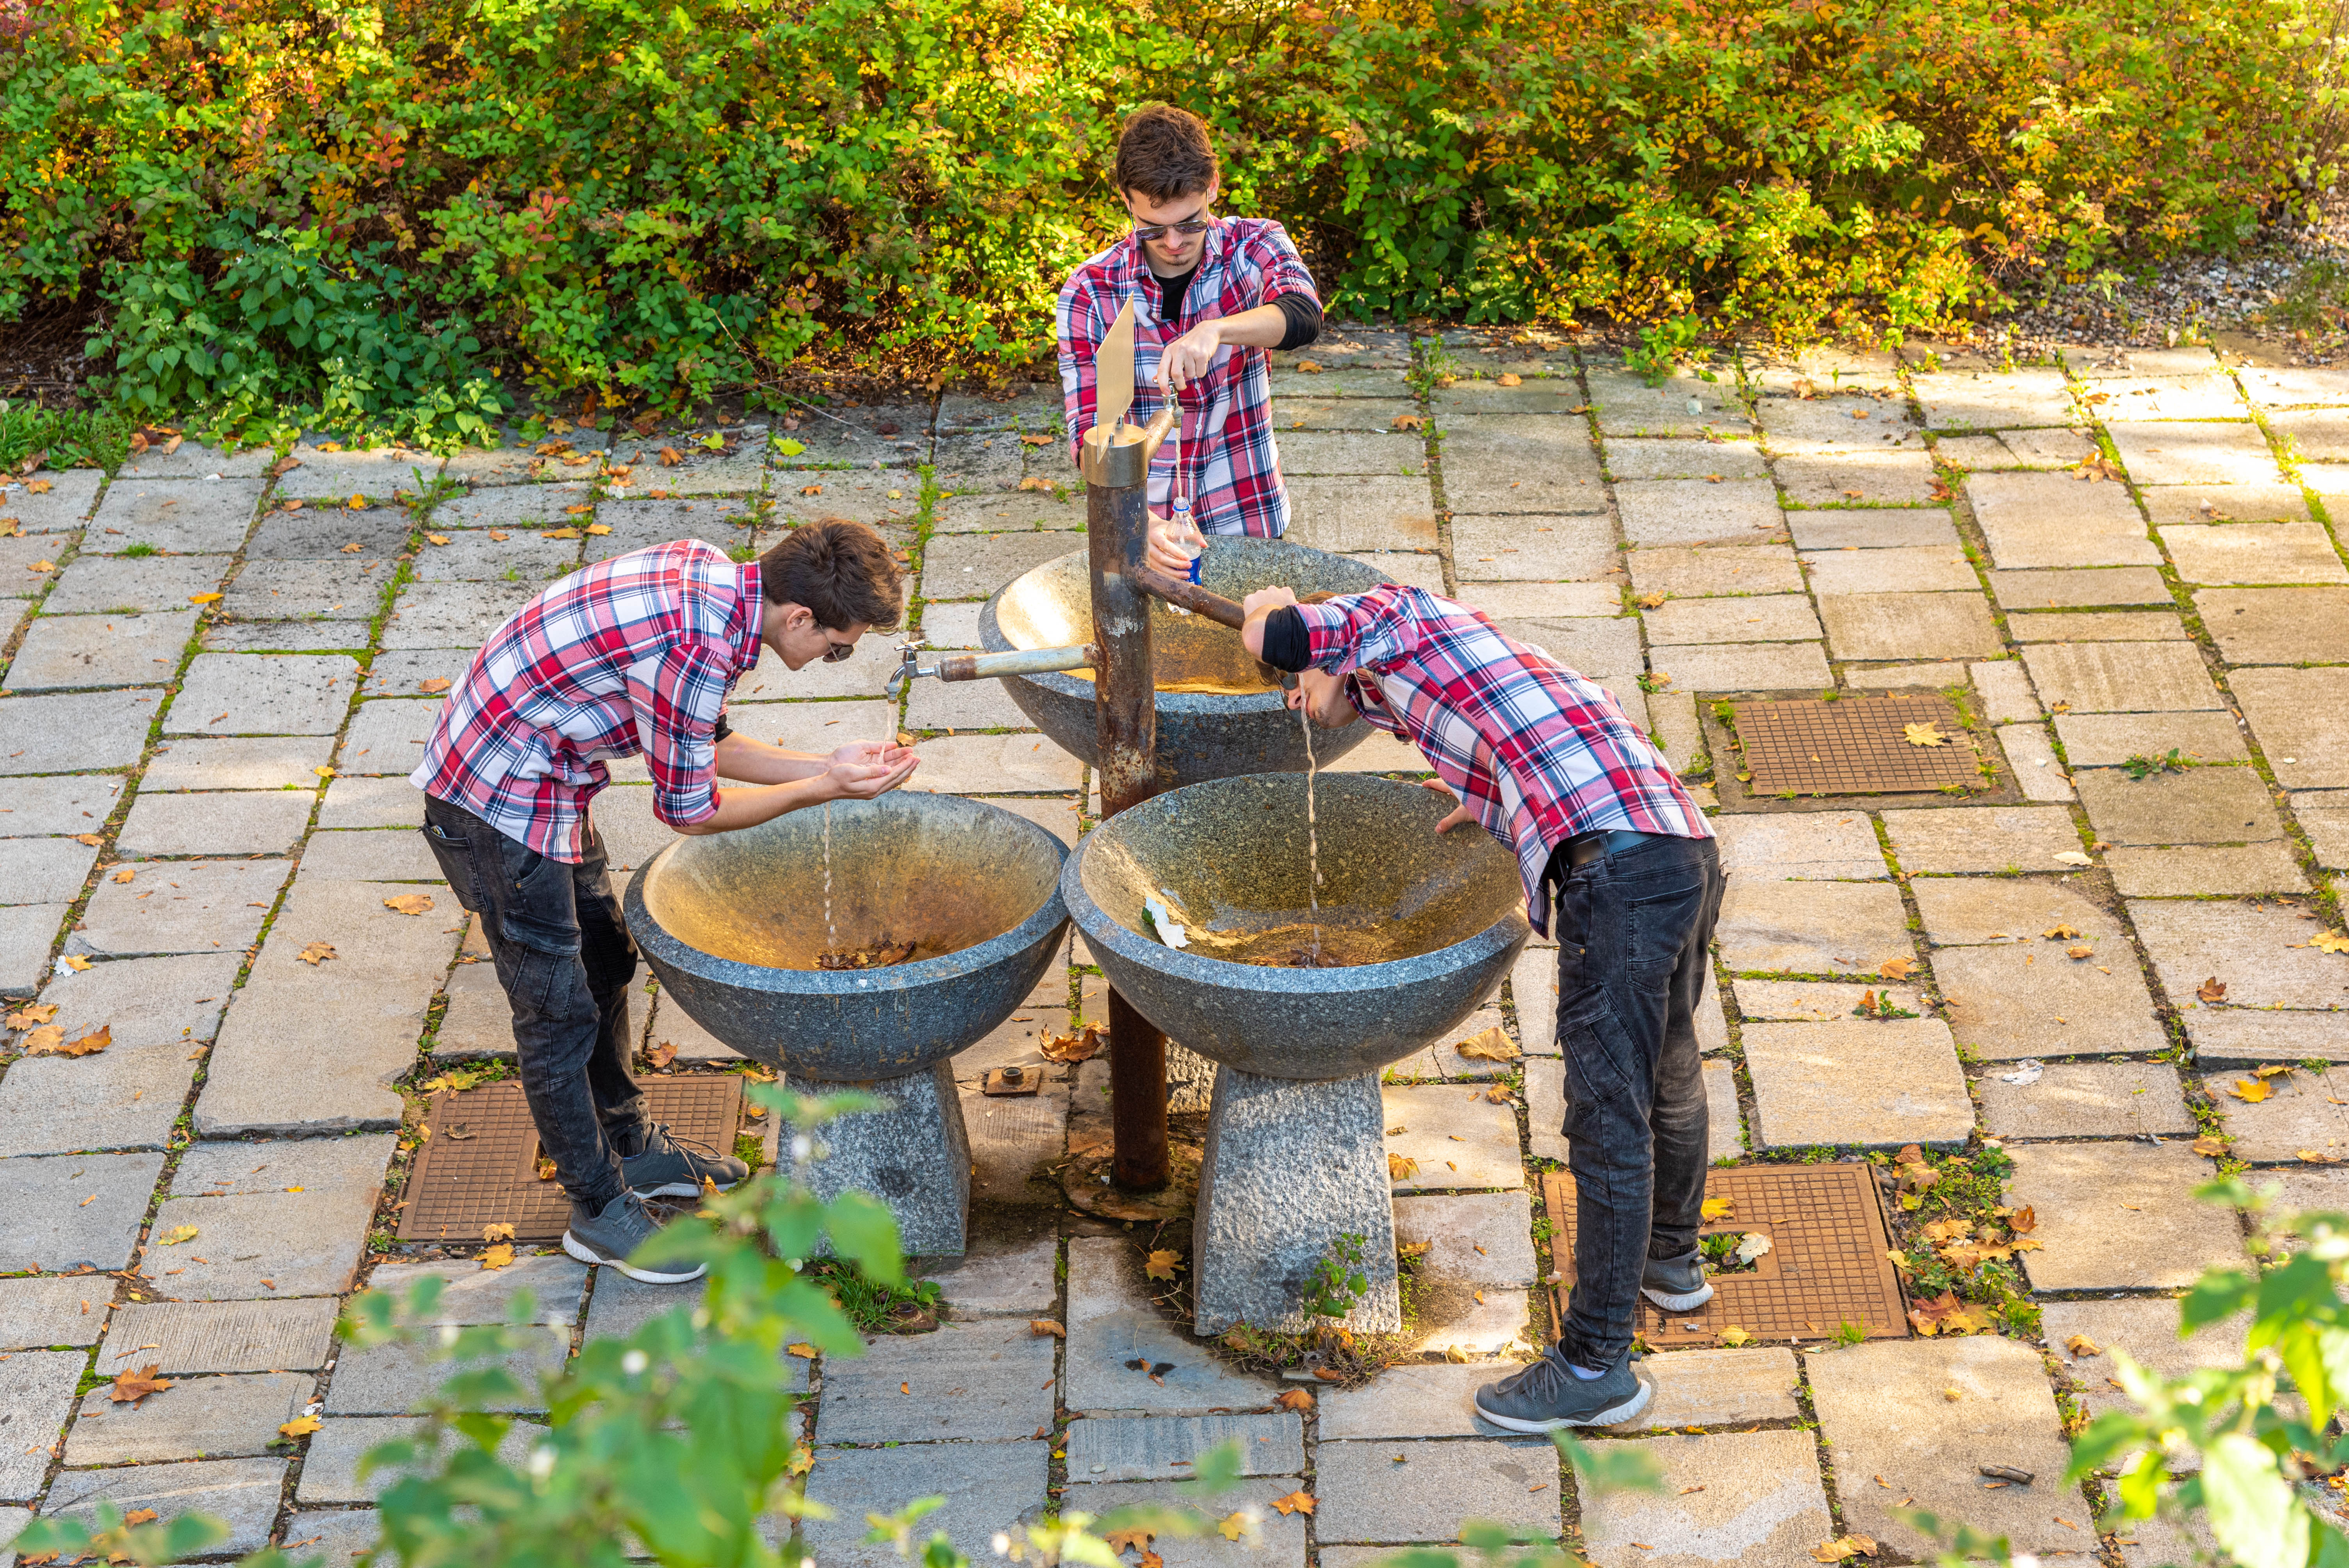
{"points": [[664, 1166], [1547, 1396], [1676, 1284], [611, 1236]]}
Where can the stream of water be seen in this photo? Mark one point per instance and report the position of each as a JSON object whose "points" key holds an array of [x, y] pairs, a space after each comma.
{"points": [[831, 937], [1312, 836]]}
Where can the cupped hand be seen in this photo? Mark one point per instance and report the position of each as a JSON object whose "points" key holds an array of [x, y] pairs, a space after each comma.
{"points": [[1461, 812], [865, 780], [887, 753]]}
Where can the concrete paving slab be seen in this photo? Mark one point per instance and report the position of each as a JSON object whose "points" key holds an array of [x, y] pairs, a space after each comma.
{"points": [[2199, 806], [2097, 626], [69, 495], [1811, 928], [1875, 527], [2120, 677], [240, 1493], [2245, 552], [532, 507], [1164, 1448], [1810, 846], [1884, 1409], [76, 733], [119, 585], [2146, 1329], [126, 1096], [884, 499], [1633, 459], [27, 932], [2324, 817], [62, 803], [1747, 667], [395, 855], [1276, 1541], [1994, 401], [300, 1242], [349, 588], [472, 1294], [377, 473], [2261, 954], [185, 516], [1360, 512], [2030, 758], [1597, 647], [1512, 601], [1770, 618], [1876, 1083], [388, 737], [36, 1389], [478, 1022], [972, 566], [1482, 1239], [1109, 1323], [2120, 1216], [1460, 1139], [61, 1213], [403, 1379], [298, 533], [2312, 435], [187, 906], [2269, 502], [28, 563], [991, 511], [1695, 573], [2194, 397], [2302, 720], [819, 726], [330, 1465], [214, 1417], [341, 1537], [988, 1487], [1878, 479], [1628, 405], [200, 1336], [280, 636], [253, 1087], [2236, 1036], [44, 870], [1815, 1001], [993, 764], [261, 762], [2108, 739], [265, 694], [2079, 588], [2288, 386], [2004, 687], [2199, 454], [1905, 569], [1013, 1141], [1487, 491], [2277, 625], [1717, 1388], [1798, 425], [1008, 1277], [1896, 625], [1411, 1401], [2040, 520], [967, 705], [2088, 1099], [2011, 1001], [452, 615], [2302, 1111], [1772, 1510], [34, 1313], [224, 822], [1943, 841], [2197, 871], [1366, 1495], [1698, 512]]}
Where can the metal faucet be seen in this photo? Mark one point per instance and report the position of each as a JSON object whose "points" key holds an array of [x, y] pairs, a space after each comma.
{"points": [[909, 666]]}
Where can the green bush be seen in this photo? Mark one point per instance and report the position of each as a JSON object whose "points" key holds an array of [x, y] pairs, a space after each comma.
{"points": [[659, 202]]}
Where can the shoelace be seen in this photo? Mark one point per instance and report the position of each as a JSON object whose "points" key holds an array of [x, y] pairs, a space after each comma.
{"points": [[1546, 1380], [693, 1149]]}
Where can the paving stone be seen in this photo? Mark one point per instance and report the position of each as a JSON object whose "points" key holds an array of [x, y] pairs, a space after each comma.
{"points": [[1650, 459], [1811, 846], [2207, 454], [2105, 740], [330, 1465], [1361, 513], [1991, 400], [1111, 1322], [1692, 573], [199, 1336], [281, 636], [2034, 520], [2006, 1002], [36, 1390], [983, 764], [115, 583], [1715, 1389], [2236, 552], [2324, 817], [1012, 1143], [987, 1487], [1877, 528], [320, 533], [1697, 512], [1882, 479], [969, 566], [379, 473], [350, 588], [1884, 1408], [44, 870], [1811, 928], [2168, 874], [2121, 677], [641, 524], [34, 1313], [2302, 1111], [478, 1022], [341, 1537], [1460, 1139], [71, 494], [239, 821], [47, 1225], [2269, 502], [1628, 405], [27, 934], [2302, 720], [1891, 626], [1486, 489], [1518, 549], [1366, 1496], [2199, 806], [252, 1226], [189, 906], [1008, 1276], [265, 694], [2284, 387], [28, 563], [1814, 1001], [1773, 1512], [2277, 625], [888, 497], [2088, 1099], [967, 705], [193, 459], [1918, 569], [1483, 1239], [185, 516], [1746, 666], [383, 855], [452, 615], [2148, 1330], [1940, 841], [2313, 435], [2005, 690], [994, 511], [63, 652], [1299, 405], [2079, 588], [472, 1294], [1796, 424], [1410, 1400], [1595, 646], [69, 734], [2198, 397], [240, 1493], [2106, 626], [2119, 1216], [216, 1418], [66, 803], [388, 737], [400, 1379], [1164, 1448], [1274, 1540], [1778, 618], [126, 1098], [259, 762], [1972, 912], [1856, 1082], [272, 1023]]}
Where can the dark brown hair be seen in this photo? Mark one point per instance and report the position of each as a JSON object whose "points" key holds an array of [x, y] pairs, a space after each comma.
{"points": [[842, 570], [1165, 153]]}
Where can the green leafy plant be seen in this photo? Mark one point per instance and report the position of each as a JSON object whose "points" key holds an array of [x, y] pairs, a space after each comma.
{"points": [[1663, 344], [2142, 766], [1339, 1281]]}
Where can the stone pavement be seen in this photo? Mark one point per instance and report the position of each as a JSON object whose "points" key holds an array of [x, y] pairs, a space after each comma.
{"points": [[211, 694]]}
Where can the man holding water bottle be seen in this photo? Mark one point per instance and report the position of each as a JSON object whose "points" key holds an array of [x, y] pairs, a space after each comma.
{"points": [[1210, 296]]}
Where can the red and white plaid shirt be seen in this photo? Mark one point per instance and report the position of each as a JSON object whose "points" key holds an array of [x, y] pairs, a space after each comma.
{"points": [[1540, 754], [1225, 460], [637, 653]]}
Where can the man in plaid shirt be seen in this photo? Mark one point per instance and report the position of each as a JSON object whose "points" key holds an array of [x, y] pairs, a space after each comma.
{"points": [[1547, 762], [634, 655], [1210, 296]]}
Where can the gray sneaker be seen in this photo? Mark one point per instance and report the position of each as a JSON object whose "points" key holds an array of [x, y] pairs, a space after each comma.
{"points": [[1547, 1395], [611, 1236], [1676, 1284], [664, 1166]]}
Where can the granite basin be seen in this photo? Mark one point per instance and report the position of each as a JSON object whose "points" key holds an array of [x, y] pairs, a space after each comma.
{"points": [[1428, 926], [1220, 711], [732, 924]]}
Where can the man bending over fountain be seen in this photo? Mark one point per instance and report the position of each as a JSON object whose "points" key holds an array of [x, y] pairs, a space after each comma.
{"points": [[634, 655], [1545, 762]]}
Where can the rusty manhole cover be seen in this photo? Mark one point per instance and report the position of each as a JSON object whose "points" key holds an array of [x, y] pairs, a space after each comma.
{"points": [[479, 1166], [1855, 746], [1825, 1266]]}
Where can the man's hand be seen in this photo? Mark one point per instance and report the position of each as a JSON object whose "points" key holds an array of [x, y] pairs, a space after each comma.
{"points": [[1254, 609], [1460, 812], [1164, 537], [886, 753], [882, 769], [1191, 355]]}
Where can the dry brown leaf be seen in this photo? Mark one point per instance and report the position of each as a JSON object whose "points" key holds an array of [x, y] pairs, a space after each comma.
{"points": [[1162, 1264], [558, 534], [1409, 422], [2330, 942], [51, 1042], [502, 1231], [1124, 1541], [45, 1039], [2210, 1146], [599, 528], [2079, 953], [437, 685], [2024, 1220], [1298, 1400], [1399, 1166], [1150, 1560], [300, 1426], [499, 536], [436, 539], [1035, 440], [409, 903], [92, 837], [670, 456], [1082, 1046], [130, 1388], [2273, 1069], [124, 875], [1895, 968], [1032, 482], [1488, 1046], [498, 1257], [1295, 1502], [2059, 934], [2212, 990], [1513, 379], [1844, 1546], [661, 1054], [30, 1014], [1045, 1328], [317, 952]]}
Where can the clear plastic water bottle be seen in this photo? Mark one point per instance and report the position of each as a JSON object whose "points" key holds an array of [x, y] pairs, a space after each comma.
{"points": [[1186, 532]]}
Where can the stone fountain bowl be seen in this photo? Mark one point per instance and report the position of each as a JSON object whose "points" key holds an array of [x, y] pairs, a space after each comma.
{"points": [[1436, 921], [1219, 710], [732, 922]]}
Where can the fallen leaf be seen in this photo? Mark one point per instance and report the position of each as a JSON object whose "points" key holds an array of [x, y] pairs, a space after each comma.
{"points": [[2059, 934], [1295, 1502], [1234, 1527], [2212, 990], [1720, 1209], [1513, 380], [1134, 1539], [1327, 1375], [2251, 1091], [1032, 482], [2210, 1146], [1035, 440], [87, 839], [50, 1042], [436, 539], [37, 487], [1081, 1047], [438, 684], [580, 510], [1298, 1400], [177, 1234], [2273, 1069], [1843, 1546], [499, 536], [409, 903], [141, 1515], [300, 1426], [130, 1387], [2073, 858], [1399, 1166], [43, 1039], [124, 875], [599, 530], [1162, 1264], [75, 961], [1923, 735], [1895, 968], [661, 1054], [1044, 1327], [317, 952], [203, 598], [1150, 1560], [1489, 1046], [30, 1014], [670, 456], [2081, 1344], [558, 534], [497, 1257], [2079, 953], [503, 1230], [1409, 422], [1734, 1336], [2330, 942], [353, 548], [805, 1352], [2024, 1220]]}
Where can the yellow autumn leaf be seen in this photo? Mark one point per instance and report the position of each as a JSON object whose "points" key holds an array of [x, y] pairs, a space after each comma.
{"points": [[2251, 1091], [300, 1426], [1234, 1527], [503, 1230], [124, 875], [1733, 1337], [1719, 1208], [498, 1257], [1923, 735], [1162, 1264], [804, 1351], [203, 598], [1399, 1166], [409, 903], [1488, 1046], [2330, 942], [177, 1234], [599, 528]]}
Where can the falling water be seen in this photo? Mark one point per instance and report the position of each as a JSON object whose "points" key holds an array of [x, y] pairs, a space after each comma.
{"points": [[1312, 835], [831, 937]]}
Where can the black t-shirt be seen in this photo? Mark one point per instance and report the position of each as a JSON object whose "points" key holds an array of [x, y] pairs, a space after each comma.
{"points": [[1302, 314]]}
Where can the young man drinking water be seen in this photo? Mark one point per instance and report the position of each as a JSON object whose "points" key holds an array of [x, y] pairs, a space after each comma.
{"points": [[1619, 865], [634, 655]]}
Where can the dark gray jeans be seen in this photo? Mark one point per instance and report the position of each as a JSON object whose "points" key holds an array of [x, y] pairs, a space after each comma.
{"points": [[1632, 930], [565, 959]]}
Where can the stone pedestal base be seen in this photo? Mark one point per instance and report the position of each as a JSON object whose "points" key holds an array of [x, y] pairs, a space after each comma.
{"points": [[914, 1157], [1291, 1166]]}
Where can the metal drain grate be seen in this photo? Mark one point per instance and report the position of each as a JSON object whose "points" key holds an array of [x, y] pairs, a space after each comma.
{"points": [[1852, 747], [479, 1166], [1826, 1265]]}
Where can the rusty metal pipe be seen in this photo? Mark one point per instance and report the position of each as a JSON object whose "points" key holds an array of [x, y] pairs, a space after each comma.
{"points": [[1025, 661], [1188, 595]]}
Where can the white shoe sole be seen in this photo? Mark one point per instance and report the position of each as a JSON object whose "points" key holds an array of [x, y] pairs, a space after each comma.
{"points": [[1688, 1303], [1622, 1412], [587, 1254], [674, 1189]]}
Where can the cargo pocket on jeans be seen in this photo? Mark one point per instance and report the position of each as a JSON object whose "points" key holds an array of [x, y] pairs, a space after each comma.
{"points": [[1597, 1048], [455, 855]]}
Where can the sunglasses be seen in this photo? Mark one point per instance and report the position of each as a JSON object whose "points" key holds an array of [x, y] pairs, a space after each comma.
{"points": [[1198, 225], [835, 652]]}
